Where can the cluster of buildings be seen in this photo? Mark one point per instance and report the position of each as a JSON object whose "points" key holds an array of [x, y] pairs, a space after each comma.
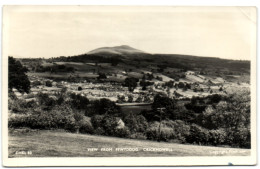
{"points": [[197, 86]]}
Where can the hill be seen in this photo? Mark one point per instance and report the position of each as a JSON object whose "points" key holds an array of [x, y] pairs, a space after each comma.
{"points": [[48, 143], [135, 57], [125, 61], [120, 50]]}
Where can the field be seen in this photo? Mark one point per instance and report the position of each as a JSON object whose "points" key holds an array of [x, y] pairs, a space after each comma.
{"points": [[63, 144]]}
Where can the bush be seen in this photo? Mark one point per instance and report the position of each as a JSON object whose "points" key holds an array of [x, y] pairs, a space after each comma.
{"points": [[96, 121], [86, 126], [240, 137], [109, 125], [58, 118], [135, 123], [48, 84], [181, 130], [18, 120], [198, 135], [45, 101], [78, 102], [102, 76], [20, 105], [217, 137], [79, 88], [170, 130], [141, 136], [122, 132], [99, 131], [165, 134], [121, 99], [104, 106]]}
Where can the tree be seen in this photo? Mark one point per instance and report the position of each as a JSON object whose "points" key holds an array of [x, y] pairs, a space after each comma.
{"points": [[233, 115], [143, 83], [136, 123], [121, 99], [17, 78], [130, 98], [105, 106], [45, 101], [48, 83], [79, 102], [131, 83], [102, 76], [181, 85], [163, 102], [78, 120], [79, 88]]}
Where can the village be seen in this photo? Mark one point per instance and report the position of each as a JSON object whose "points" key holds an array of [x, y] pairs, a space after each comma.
{"points": [[192, 85]]}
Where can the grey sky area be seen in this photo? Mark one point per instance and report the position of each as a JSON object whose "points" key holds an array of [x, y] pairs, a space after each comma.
{"points": [[225, 32]]}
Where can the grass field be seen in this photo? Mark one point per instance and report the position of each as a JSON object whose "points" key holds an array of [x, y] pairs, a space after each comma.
{"points": [[63, 144]]}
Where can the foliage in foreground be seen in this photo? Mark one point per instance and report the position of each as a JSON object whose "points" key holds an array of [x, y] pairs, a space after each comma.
{"points": [[223, 122]]}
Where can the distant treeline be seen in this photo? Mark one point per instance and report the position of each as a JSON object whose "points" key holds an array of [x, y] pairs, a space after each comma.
{"points": [[84, 58], [54, 68]]}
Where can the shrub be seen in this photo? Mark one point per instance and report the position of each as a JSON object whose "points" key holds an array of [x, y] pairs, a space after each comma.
{"points": [[17, 120], [96, 121], [78, 102], [121, 99], [135, 123], [48, 84], [181, 130], [99, 131], [102, 76], [20, 105], [104, 106], [217, 137], [130, 98], [164, 102], [122, 132], [45, 101], [141, 136], [110, 123], [170, 130], [86, 126], [198, 135], [58, 118], [239, 137], [79, 88], [165, 133]]}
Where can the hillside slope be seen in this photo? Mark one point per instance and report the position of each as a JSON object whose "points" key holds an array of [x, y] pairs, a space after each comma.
{"points": [[130, 56], [62, 144]]}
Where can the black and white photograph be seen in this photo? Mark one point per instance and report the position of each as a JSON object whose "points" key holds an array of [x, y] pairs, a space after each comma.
{"points": [[129, 83]]}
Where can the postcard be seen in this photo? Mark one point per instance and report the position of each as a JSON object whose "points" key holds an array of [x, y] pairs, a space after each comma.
{"points": [[128, 86]]}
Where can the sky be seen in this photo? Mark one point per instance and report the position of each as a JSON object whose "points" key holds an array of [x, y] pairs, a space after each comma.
{"points": [[225, 32]]}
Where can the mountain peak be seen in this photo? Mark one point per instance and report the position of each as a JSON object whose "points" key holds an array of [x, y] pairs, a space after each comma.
{"points": [[123, 49]]}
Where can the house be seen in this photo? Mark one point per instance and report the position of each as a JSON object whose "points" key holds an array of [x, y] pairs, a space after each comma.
{"points": [[120, 123]]}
